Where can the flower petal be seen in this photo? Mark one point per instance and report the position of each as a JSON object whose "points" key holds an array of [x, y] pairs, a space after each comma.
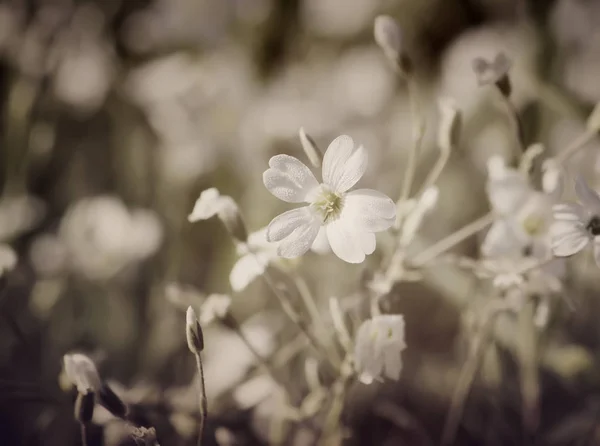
{"points": [[569, 212], [342, 165], [246, 269], [289, 179], [501, 240], [286, 223], [344, 242], [299, 241], [207, 205], [367, 210], [568, 238], [587, 196], [368, 242], [321, 244]]}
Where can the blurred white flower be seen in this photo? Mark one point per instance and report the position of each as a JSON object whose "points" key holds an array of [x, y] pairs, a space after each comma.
{"points": [[350, 219], [82, 373], [214, 307], [102, 236], [378, 348], [577, 224], [8, 259], [524, 214]]}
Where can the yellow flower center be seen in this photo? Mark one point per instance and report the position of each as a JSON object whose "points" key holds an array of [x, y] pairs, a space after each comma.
{"points": [[533, 224], [328, 205]]}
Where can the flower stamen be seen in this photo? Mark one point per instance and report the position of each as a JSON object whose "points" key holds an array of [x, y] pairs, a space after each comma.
{"points": [[328, 205]]}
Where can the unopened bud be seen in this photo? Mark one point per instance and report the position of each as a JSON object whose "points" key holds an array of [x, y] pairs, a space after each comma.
{"points": [[494, 73], [84, 407], [82, 373], [314, 155], [112, 402], [450, 124], [388, 36], [230, 216], [193, 332], [593, 121]]}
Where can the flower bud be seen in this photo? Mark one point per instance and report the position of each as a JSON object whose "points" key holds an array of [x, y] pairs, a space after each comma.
{"points": [[450, 124], [314, 155], [388, 36], [193, 332], [495, 72], [112, 402], [211, 203], [84, 407]]}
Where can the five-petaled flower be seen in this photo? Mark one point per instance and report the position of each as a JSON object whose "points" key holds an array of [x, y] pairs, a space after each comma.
{"points": [[378, 348], [577, 224], [349, 219]]}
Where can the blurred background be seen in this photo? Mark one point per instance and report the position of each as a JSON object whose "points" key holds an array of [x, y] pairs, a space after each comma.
{"points": [[116, 114]]}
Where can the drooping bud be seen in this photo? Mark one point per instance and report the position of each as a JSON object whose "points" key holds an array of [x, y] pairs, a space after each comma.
{"points": [[112, 402], [494, 72], [388, 36], [211, 203], [450, 124], [193, 332], [82, 373], [84, 407], [314, 155]]}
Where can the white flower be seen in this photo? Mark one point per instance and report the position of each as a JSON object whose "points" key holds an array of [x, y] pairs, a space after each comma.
{"points": [[524, 214], [102, 236], [349, 219], [8, 259], [577, 224], [214, 307], [82, 373], [378, 348]]}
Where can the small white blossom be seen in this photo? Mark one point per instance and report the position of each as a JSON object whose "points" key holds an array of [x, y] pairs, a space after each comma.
{"points": [[214, 307], [577, 224], [349, 219], [524, 214], [378, 348], [82, 373]]}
